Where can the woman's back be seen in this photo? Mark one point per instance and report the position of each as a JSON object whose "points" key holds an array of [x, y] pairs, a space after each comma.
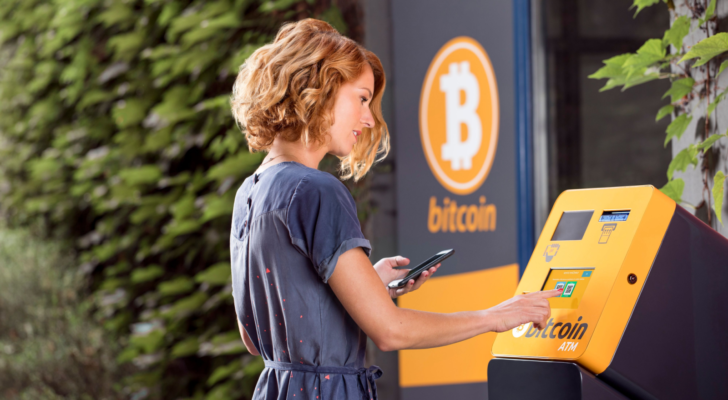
{"points": [[290, 224]]}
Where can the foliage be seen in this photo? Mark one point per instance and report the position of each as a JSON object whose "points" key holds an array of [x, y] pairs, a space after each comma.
{"points": [[667, 58], [116, 135], [50, 348]]}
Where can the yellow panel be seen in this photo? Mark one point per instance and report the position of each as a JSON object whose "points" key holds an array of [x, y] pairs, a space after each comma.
{"points": [[463, 362], [590, 333]]}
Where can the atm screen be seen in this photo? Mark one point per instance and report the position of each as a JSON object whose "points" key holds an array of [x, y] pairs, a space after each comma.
{"points": [[573, 281], [572, 225]]}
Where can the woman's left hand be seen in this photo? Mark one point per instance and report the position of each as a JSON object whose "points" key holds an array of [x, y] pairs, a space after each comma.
{"points": [[387, 273]]}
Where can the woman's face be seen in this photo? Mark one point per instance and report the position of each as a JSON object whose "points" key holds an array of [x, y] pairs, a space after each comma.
{"points": [[351, 113]]}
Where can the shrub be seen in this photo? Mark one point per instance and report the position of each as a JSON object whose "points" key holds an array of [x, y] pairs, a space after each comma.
{"points": [[116, 135], [50, 348]]}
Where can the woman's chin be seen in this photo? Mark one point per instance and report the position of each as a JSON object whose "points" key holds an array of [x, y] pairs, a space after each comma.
{"points": [[342, 151]]}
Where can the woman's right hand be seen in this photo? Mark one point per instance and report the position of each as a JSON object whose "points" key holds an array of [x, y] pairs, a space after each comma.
{"points": [[522, 309]]}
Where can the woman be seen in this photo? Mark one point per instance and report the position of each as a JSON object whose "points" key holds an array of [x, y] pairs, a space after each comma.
{"points": [[306, 294]]}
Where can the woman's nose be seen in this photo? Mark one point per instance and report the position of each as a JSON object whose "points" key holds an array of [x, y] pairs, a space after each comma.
{"points": [[367, 119]]}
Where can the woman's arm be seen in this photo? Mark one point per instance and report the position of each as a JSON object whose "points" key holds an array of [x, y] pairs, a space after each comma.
{"points": [[360, 290], [246, 340]]}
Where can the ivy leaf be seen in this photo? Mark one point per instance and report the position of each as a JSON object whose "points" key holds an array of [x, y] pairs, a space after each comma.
{"points": [[677, 32], [216, 206], [612, 70], [223, 372], [664, 111], [707, 48], [176, 286], [186, 305], [149, 342], [642, 4], [677, 127], [723, 66], [709, 12], [129, 112], [187, 347], [718, 182], [333, 16], [276, 5], [218, 274], [638, 80], [718, 99], [140, 275], [679, 89], [709, 141], [141, 175], [681, 161], [674, 189], [612, 67], [651, 52], [236, 166]]}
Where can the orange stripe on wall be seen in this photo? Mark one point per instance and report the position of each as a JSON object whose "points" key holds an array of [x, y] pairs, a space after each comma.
{"points": [[463, 362]]}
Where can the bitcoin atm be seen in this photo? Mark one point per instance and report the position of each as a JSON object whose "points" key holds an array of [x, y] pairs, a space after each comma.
{"points": [[644, 311]]}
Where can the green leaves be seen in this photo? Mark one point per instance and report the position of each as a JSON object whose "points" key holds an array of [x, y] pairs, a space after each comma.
{"points": [[709, 13], [642, 4], [707, 48], [677, 127], [186, 347], [140, 275], [681, 161], [718, 193], [218, 274], [677, 32], [708, 143], [115, 131], [139, 176], [679, 89], [664, 111], [630, 70], [652, 51], [723, 66], [176, 286], [223, 372], [674, 190], [240, 164]]}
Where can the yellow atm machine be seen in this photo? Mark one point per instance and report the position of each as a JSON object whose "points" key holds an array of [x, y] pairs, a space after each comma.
{"points": [[644, 311]]}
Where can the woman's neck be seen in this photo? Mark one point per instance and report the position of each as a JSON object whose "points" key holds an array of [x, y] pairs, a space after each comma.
{"points": [[283, 150]]}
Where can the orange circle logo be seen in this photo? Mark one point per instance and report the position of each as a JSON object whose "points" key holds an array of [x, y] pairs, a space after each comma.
{"points": [[459, 115]]}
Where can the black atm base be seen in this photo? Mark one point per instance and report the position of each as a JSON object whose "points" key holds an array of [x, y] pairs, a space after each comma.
{"points": [[544, 380]]}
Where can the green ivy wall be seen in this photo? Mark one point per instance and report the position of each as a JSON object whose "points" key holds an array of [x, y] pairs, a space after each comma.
{"points": [[116, 136]]}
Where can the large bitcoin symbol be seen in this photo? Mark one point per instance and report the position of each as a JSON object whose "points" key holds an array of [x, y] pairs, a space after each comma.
{"points": [[460, 153]]}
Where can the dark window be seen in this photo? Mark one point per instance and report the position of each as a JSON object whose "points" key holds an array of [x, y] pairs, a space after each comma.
{"points": [[608, 138]]}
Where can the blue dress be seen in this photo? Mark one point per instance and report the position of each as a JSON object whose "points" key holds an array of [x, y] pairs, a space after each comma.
{"points": [[290, 225]]}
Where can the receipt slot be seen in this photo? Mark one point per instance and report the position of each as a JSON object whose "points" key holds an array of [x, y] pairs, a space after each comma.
{"points": [[644, 311]]}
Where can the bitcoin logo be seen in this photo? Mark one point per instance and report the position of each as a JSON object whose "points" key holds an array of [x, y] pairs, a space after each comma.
{"points": [[460, 154], [459, 115], [520, 330]]}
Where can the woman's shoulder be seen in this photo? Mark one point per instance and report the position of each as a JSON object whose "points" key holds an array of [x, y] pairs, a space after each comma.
{"points": [[319, 183]]}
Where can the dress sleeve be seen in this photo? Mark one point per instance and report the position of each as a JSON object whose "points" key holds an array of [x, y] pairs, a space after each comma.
{"points": [[322, 222]]}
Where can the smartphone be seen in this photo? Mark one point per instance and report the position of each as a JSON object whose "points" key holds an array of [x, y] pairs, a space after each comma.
{"points": [[415, 272]]}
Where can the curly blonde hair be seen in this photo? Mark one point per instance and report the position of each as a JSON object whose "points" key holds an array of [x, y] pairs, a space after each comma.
{"points": [[287, 89]]}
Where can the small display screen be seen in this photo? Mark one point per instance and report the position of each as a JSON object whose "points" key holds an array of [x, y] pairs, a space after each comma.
{"points": [[574, 283], [614, 216], [572, 225]]}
